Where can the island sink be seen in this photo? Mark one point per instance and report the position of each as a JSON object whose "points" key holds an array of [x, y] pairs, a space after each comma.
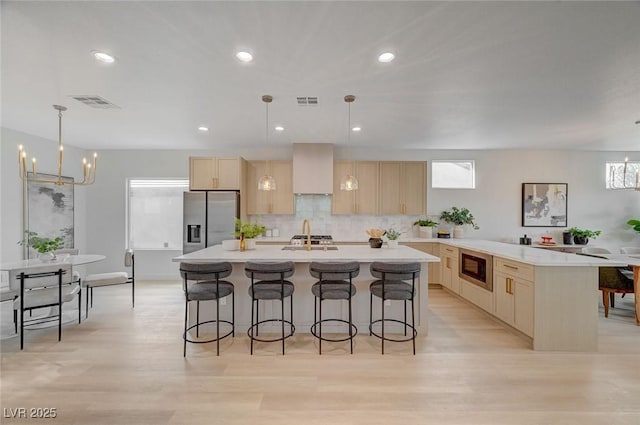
{"points": [[313, 248]]}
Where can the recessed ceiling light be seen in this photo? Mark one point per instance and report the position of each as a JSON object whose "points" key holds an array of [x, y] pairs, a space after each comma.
{"points": [[356, 129], [244, 56], [386, 57], [203, 128], [103, 57], [279, 128]]}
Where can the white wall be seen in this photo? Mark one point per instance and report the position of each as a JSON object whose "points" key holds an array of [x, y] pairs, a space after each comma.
{"points": [[496, 203]]}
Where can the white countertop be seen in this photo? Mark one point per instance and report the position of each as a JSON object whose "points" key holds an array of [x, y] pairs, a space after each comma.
{"points": [[529, 255], [361, 253]]}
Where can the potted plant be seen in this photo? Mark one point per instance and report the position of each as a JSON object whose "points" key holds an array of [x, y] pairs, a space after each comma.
{"points": [[250, 231], [425, 226], [375, 237], [458, 217], [635, 223], [393, 235], [46, 247], [581, 236]]}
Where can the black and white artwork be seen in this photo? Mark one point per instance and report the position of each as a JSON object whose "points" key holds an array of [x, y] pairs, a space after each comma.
{"points": [[50, 208], [544, 204]]}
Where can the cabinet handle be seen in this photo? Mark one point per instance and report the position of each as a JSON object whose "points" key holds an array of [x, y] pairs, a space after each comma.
{"points": [[448, 263], [510, 267], [448, 249], [506, 285]]}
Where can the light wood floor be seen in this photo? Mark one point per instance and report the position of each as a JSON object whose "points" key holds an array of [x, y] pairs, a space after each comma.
{"points": [[124, 366]]}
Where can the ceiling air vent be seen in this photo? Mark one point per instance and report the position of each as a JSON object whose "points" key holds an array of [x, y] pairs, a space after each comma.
{"points": [[94, 101], [307, 100]]}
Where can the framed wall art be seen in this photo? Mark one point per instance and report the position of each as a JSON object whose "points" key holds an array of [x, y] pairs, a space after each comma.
{"points": [[544, 204], [50, 208]]}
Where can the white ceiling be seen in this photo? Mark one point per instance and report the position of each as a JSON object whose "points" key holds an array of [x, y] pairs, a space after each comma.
{"points": [[467, 75]]}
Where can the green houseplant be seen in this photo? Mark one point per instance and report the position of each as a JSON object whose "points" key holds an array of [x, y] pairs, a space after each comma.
{"points": [[45, 246], [635, 223], [426, 226], [458, 217], [250, 230], [393, 235], [581, 236]]}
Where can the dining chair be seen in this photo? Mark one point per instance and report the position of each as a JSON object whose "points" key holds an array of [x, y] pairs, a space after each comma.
{"points": [[43, 286], [595, 250], [630, 250], [112, 278]]}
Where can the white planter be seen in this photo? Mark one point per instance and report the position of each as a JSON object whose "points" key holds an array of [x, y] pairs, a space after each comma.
{"points": [[250, 243], [392, 244], [458, 232], [426, 232], [47, 257]]}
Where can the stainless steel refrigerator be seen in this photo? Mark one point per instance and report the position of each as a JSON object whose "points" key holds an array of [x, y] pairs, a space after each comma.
{"points": [[208, 219]]}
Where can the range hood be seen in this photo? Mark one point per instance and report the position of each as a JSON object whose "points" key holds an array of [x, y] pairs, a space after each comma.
{"points": [[313, 168]]}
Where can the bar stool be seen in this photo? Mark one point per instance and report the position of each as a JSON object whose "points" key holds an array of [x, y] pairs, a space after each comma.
{"points": [[208, 286], [335, 282], [391, 285], [268, 282]]}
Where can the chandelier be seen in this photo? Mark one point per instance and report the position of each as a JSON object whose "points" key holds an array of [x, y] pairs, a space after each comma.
{"points": [[267, 182], [88, 169], [349, 181]]}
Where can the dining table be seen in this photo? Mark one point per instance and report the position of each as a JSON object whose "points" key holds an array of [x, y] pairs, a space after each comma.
{"points": [[634, 262], [61, 259]]}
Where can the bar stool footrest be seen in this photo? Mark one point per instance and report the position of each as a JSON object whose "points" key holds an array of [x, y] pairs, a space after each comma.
{"points": [[313, 330], [290, 334], [409, 338], [221, 337]]}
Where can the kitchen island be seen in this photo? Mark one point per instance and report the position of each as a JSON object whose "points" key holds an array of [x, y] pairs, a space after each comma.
{"points": [[303, 299]]}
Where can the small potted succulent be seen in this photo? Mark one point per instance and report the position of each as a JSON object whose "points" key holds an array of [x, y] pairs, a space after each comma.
{"points": [[392, 235], [581, 236], [425, 226], [458, 217], [46, 247]]}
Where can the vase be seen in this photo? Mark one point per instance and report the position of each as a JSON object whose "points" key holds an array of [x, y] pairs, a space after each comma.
{"points": [[458, 232], [375, 242], [47, 257], [426, 232], [250, 243], [392, 243], [580, 240]]}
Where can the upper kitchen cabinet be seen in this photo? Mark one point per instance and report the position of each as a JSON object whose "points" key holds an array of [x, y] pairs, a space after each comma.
{"points": [[365, 200], [213, 173], [403, 187], [279, 201]]}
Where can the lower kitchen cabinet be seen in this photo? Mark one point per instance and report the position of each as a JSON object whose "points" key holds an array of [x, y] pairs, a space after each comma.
{"points": [[429, 248], [513, 288], [449, 268]]}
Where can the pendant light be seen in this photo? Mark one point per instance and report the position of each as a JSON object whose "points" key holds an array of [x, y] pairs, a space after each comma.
{"points": [[349, 181], [267, 182]]}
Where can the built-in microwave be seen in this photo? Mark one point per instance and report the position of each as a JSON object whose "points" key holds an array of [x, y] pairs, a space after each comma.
{"points": [[477, 268]]}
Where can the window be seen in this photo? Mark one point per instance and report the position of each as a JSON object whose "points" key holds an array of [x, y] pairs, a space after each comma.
{"points": [[155, 213], [622, 175], [453, 174]]}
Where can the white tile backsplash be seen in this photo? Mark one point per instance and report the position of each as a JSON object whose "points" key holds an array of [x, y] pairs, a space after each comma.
{"points": [[317, 209]]}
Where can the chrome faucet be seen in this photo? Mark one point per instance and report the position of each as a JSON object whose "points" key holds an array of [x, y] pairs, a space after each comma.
{"points": [[307, 225]]}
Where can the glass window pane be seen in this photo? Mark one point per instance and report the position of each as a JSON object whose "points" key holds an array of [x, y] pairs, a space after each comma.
{"points": [[155, 213], [453, 174]]}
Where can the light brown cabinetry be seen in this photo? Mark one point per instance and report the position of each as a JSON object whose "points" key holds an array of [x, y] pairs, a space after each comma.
{"points": [[429, 248], [449, 268], [213, 173], [279, 201], [402, 187], [513, 288], [365, 200]]}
